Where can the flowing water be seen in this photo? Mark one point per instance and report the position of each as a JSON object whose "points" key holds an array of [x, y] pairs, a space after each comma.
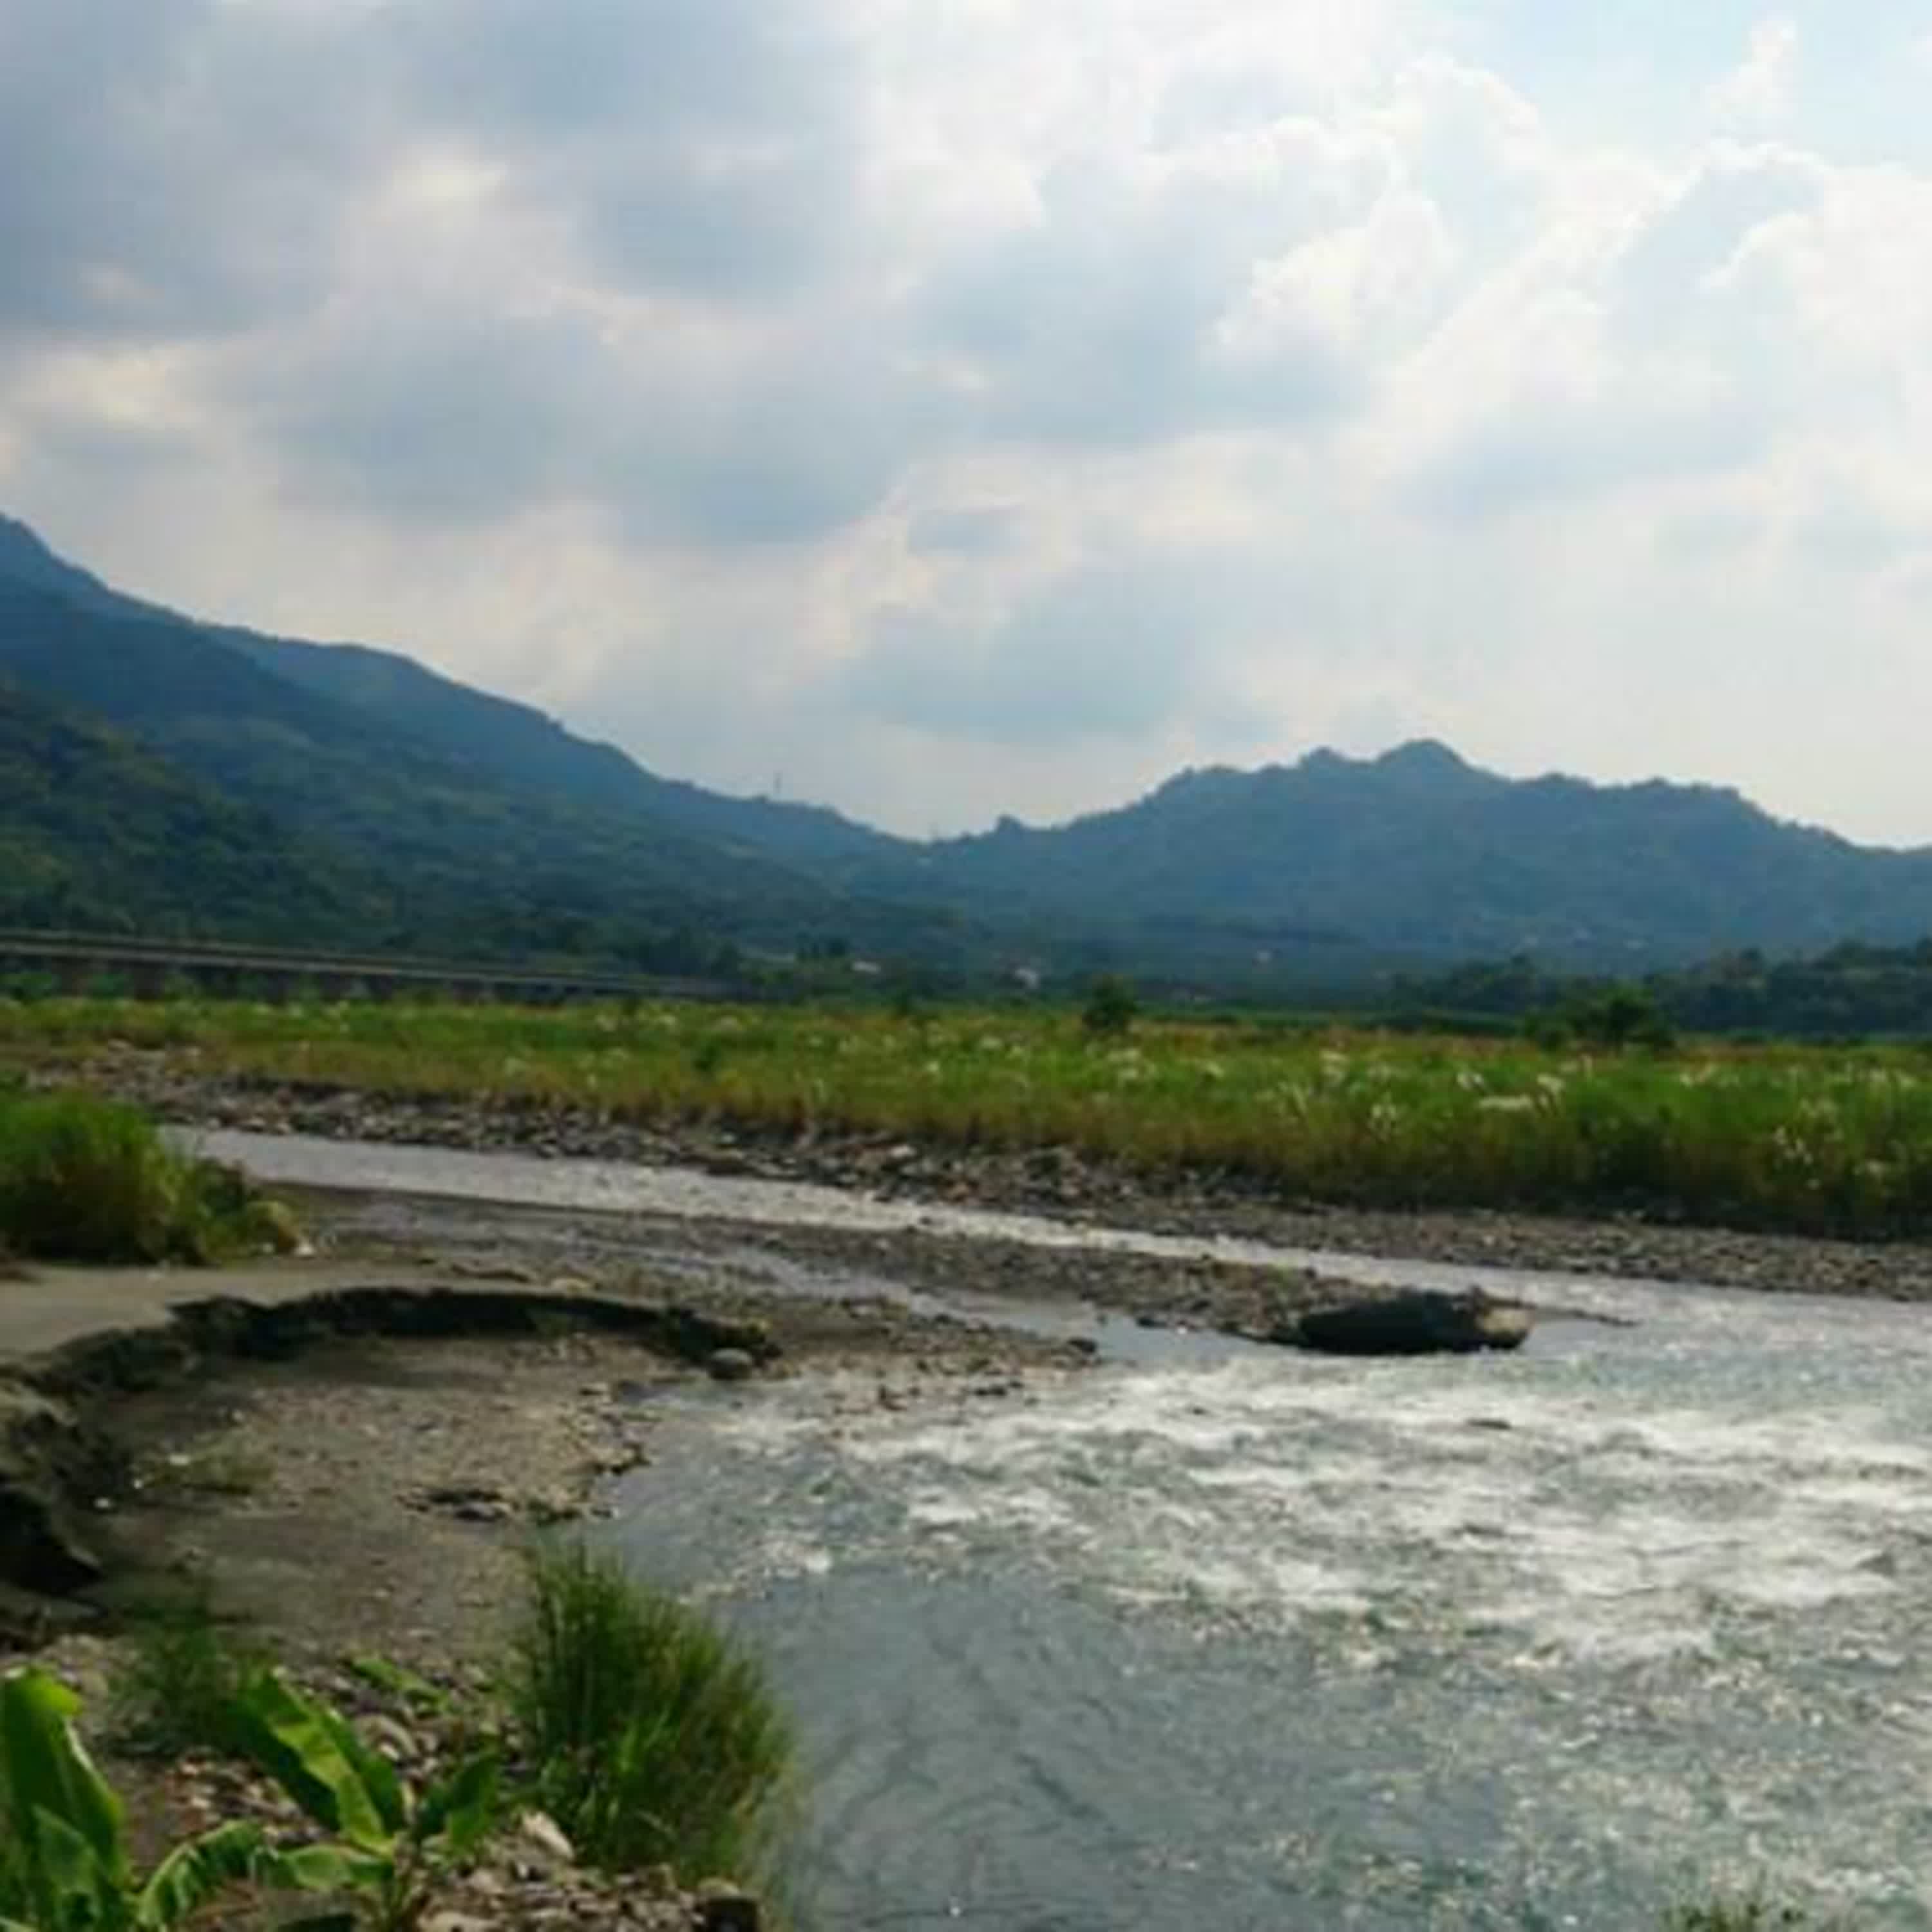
{"points": [[1236, 1638]]}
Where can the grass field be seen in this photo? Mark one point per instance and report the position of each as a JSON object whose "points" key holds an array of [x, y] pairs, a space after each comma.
{"points": [[1826, 1141]]}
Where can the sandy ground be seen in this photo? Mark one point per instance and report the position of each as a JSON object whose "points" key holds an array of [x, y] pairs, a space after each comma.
{"points": [[376, 1495]]}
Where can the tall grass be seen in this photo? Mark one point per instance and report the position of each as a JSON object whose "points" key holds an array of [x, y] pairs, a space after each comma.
{"points": [[652, 1738], [174, 1684], [1753, 1914], [86, 1179], [1804, 1139]]}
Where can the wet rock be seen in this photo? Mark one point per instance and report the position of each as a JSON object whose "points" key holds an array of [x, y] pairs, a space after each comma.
{"points": [[722, 1906], [394, 1739], [537, 1831], [697, 1335], [1425, 1321], [730, 1365], [467, 1502]]}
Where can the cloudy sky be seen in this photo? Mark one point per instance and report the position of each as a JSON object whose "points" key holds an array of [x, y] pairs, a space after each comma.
{"points": [[940, 407]]}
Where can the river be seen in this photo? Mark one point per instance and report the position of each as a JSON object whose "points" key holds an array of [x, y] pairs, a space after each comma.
{"points": [[1217, 1636]]}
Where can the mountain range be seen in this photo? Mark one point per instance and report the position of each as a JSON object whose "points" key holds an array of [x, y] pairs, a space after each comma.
{"points": [[176, 776]]}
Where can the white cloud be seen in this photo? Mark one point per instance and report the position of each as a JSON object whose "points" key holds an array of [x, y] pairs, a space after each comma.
{"points": [[987, 406], [1760, 89]]}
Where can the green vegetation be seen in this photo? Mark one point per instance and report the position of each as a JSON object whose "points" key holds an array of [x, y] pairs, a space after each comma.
{"points": [[1753, 1914], [1789, 1138], [1849, 991], [192, 778], [291, 809], [63, 1861], [175, 1686], [1111, 1009], [646, 1731], [100, 833], [391, 1844], [90, 1180], [651, 1737]]}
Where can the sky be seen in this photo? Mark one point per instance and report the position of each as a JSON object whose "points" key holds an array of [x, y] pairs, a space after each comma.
{"points": [[945, 408]]}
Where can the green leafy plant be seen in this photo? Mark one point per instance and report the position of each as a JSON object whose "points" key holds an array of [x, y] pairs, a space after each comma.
{"points": [[652, 1738], [401, 1684], [63, 1861], [390, 1844]]}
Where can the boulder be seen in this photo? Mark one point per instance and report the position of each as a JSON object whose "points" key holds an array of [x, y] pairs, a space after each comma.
{"points": [[695, 1335], [1420, 1321]]}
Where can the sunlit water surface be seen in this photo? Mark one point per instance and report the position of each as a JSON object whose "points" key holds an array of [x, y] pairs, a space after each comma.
{"points": [[1241, 1639], [1542, 1641]]}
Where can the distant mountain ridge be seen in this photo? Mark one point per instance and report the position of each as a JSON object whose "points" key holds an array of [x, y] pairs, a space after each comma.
{"points": [[1418, 853], [432, 813]]}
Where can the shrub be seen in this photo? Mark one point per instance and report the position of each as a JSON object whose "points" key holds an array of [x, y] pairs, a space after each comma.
{"points": [[1623, 1016], [650, 1736], [90, 1180], [1111, 1009]]}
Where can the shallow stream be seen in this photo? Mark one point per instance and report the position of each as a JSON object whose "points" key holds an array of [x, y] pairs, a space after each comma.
{"points": [[1238, 1638]]}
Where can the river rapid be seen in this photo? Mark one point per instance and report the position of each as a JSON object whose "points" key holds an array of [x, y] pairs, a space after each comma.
{"points": [[1217, 1635]]}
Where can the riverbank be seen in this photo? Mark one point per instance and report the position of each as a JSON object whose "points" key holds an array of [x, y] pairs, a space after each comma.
{"points": [[1056, 1182], [345, 1459], [371, 1494]]}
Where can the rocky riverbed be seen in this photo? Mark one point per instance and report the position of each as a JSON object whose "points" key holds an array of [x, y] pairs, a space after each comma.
{"points": [[1053, 1181]]}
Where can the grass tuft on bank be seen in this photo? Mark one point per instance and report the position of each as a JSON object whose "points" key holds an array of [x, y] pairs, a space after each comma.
{"points": [[177, 1677], [652, 1738], [85, 1179], [1753, 1913]]}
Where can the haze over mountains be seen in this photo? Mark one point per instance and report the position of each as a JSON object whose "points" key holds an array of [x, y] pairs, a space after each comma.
{"points": [[172, 775]]}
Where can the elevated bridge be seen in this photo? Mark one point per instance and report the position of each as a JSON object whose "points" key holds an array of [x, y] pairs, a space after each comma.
{"points": [[148, 969]]}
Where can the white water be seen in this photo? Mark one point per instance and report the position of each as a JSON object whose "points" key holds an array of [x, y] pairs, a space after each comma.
{"points": [[1548, 1640], [1264, 1641]]}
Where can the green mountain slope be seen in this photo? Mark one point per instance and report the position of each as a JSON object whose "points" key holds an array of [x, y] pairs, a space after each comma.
{"points": [[97, 832], [517, 744], [478, 862], [513, 743], [494, 827], [1417, 853]]}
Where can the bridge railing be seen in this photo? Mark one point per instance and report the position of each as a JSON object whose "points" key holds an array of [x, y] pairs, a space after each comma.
{"points": [[69, 954]]}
